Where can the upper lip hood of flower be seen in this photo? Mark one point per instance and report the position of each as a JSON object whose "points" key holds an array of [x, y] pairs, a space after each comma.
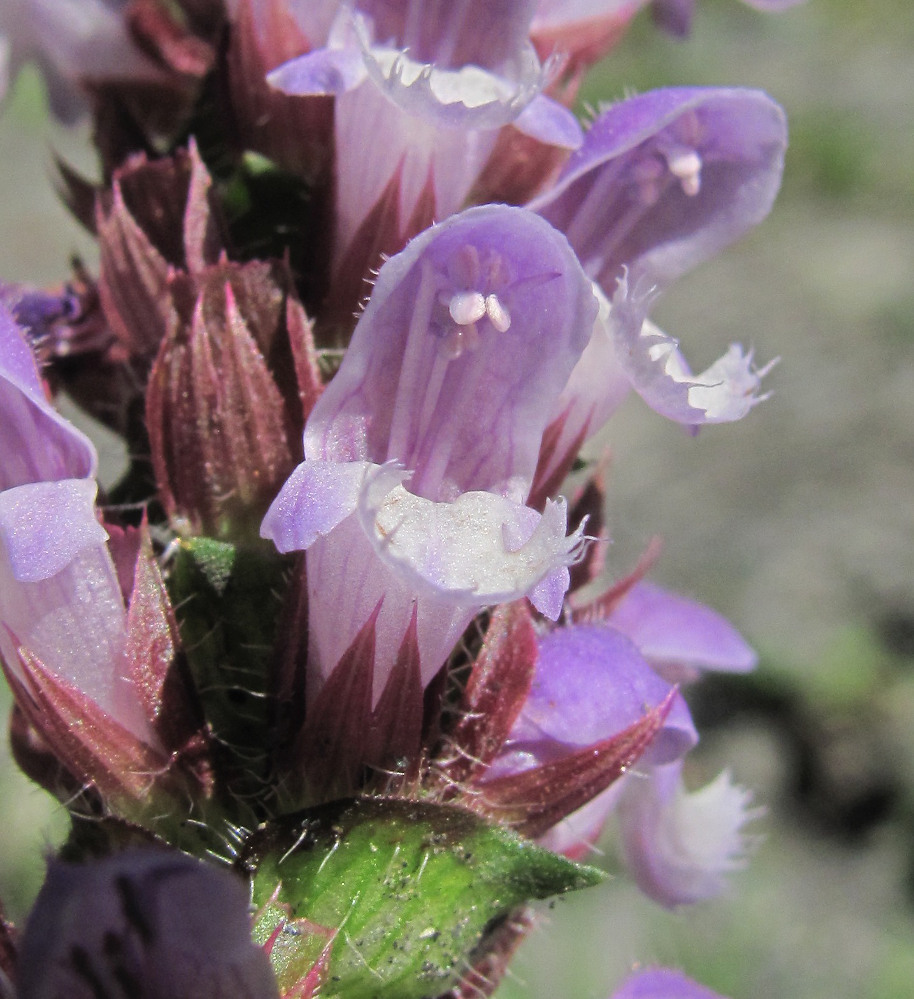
{"points": [[666, 179]]}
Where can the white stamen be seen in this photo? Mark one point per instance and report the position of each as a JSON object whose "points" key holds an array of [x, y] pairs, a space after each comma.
{"points": [[467, 307], [685, 165], [498, 315]]}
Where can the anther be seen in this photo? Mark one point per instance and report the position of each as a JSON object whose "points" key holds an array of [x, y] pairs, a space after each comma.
{"points": [[467, 307], [498, 315], [685, 164]]}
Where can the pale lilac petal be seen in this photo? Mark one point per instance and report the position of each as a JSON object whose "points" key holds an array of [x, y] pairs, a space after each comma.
{"points": [[75, 623], [680, 637], [316, 497], [420, 155], [591, 682], [662, 983], [45, 525], [549, 122], [37, 443], [325, 71], [175, 927], [680, 847], [467, 97], [666, 179], [60, 598], [452, 32]]}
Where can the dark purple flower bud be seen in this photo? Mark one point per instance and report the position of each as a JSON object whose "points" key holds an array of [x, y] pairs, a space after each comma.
{"points": [[144, 924]]}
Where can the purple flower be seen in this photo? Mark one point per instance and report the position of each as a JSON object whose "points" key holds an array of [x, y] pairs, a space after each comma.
{"points": [[590, 683], [74, 42], [420, 453], [661, 983], [144, 923], [60, 599], [435, 82], [662, 182], [595, 679]]}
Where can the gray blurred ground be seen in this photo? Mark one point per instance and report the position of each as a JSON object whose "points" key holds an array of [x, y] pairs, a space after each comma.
{"points": [[798, 523]]}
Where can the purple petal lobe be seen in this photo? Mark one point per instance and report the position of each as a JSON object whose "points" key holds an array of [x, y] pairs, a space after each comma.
{"points": [[681, 846], [325, 71], [37, 443], [678, 636], [591, 682], [662, 983], [45, 525], [548, 121], [316, 497]]}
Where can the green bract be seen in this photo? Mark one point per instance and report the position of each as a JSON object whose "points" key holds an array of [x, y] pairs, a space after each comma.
{"points": [[403, 892]]}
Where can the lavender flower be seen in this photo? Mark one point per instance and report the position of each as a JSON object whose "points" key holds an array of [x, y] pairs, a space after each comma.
{"points": [[594, 679], [60, 598], [438, 81], [681, 846], [420, 453], [662, 182]]}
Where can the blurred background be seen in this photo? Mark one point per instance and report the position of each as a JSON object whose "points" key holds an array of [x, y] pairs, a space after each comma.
{"points": [[797, 523]]}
